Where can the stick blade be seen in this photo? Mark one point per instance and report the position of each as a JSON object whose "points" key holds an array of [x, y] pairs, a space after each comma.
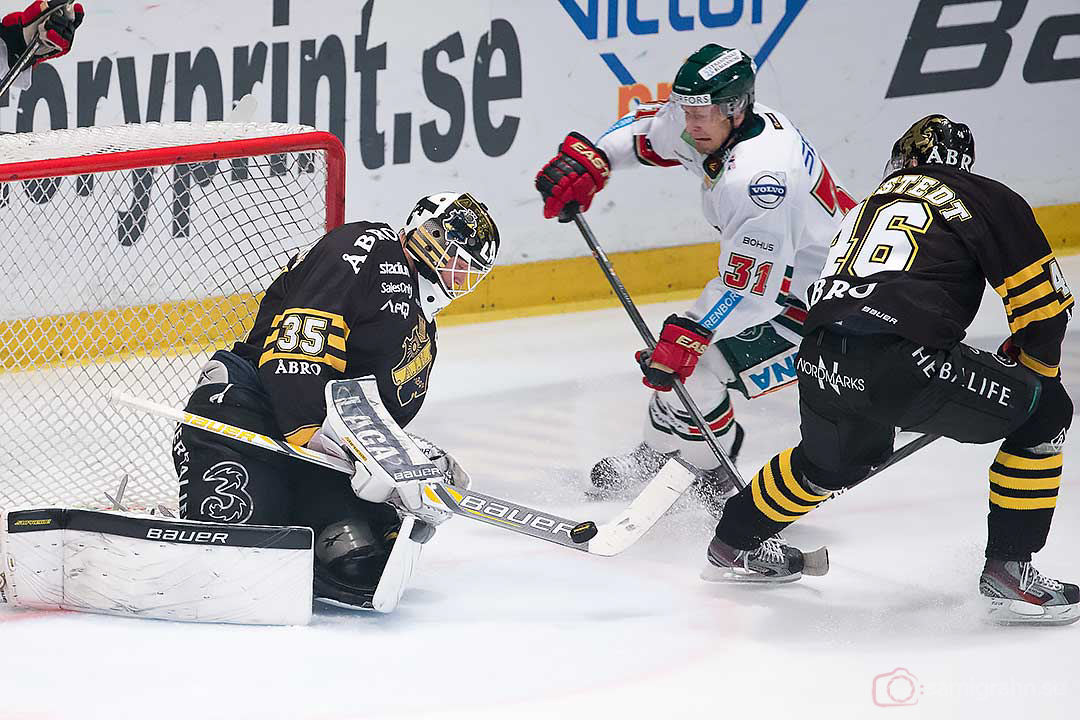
{"points": [[656, 499]]}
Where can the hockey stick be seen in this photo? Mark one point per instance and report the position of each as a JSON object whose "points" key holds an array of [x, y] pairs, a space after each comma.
{"points": [[646, 335], [28, 54], [818, 559], [917, 444], [20, 65], [605, 539], [907, 449]]}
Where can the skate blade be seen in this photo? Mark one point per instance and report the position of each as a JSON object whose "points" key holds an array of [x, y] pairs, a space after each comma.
{"points": [[816, 562], [738, 576], [1001, 611]]}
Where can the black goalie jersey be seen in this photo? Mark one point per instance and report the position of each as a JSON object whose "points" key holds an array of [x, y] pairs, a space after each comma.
{"points": [[349, 307], [912, 259]]}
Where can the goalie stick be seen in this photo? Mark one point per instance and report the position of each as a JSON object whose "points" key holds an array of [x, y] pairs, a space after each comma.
{"points": [[605, 539]]}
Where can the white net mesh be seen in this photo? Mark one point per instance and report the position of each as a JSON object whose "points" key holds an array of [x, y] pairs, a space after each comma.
{"points": [[129, 278], [79, 142]]}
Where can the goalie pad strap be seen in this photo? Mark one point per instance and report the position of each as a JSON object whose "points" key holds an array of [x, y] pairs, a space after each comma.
{"points": [[151, 528]]}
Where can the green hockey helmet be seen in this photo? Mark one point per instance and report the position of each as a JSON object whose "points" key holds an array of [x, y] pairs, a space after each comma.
{"points": [[716, 75]]}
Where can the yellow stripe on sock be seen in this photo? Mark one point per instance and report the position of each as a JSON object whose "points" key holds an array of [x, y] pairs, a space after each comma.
{"points": [[779, 497], [763, 507], [1015, 483], [788, 476], [1022, 503], [1049, 462]]}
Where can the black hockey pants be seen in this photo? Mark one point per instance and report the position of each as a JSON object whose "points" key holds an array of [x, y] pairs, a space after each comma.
{"points": [[224, 480], [854, 390]]}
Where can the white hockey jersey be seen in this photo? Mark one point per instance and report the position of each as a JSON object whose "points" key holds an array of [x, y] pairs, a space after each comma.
{"points": [[772, 198]]}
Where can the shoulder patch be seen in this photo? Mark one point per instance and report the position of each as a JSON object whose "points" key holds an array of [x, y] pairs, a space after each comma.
{"points": [[768, 189], [775, 123]]}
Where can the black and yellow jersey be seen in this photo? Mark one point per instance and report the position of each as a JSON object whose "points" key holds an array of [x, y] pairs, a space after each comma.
{"points": [[912, 259], [347, 307]]}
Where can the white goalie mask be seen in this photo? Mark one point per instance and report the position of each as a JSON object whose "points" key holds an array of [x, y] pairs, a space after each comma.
{"points": [[454, 241]]}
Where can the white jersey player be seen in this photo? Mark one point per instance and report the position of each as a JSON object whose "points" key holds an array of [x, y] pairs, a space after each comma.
{"points": [[777, 208]]}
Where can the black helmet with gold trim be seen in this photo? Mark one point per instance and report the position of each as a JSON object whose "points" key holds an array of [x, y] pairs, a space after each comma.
{"points": [[454, 241], [934, 139]]}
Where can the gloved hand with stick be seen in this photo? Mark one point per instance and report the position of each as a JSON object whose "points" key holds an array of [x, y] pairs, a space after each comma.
{"points": [[570, 179], [682, 342], [49, 26]]}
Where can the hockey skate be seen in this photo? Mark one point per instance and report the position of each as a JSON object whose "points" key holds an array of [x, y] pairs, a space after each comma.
{"points": [[772, 562], [1018, 594], [611, 476]]}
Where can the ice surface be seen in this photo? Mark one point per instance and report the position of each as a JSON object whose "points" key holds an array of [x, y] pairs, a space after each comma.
{"points": [[501, 626]]}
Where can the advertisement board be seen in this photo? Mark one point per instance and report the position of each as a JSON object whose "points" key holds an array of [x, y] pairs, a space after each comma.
{"points": [[429, 96]]}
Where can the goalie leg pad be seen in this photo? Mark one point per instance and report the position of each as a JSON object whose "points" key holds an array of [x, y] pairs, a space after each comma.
{"points": [[156, 567]]}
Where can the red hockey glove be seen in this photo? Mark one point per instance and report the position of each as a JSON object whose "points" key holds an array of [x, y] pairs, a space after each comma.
{"points": [[682, 342], [54, 21], [578, 172]]}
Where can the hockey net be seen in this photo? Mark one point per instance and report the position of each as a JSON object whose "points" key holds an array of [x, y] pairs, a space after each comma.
{"points": [[130, 254]]}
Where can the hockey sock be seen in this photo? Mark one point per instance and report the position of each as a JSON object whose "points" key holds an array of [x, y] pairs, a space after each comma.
{"points": [[775, 498], [666, 419], [1023, 493]]}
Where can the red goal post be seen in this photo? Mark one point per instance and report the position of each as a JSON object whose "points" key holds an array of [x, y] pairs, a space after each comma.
{"points": [[130, 254]]}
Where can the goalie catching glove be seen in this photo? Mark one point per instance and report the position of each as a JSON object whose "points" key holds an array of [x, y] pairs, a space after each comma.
{"points": [[682, 343], [453, 473]]}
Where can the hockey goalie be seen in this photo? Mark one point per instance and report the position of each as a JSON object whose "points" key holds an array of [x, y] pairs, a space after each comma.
{"points": [[337, 360]]}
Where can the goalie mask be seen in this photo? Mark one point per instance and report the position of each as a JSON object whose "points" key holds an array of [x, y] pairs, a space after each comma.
{"points": [[454, 242], [933, 139]]}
